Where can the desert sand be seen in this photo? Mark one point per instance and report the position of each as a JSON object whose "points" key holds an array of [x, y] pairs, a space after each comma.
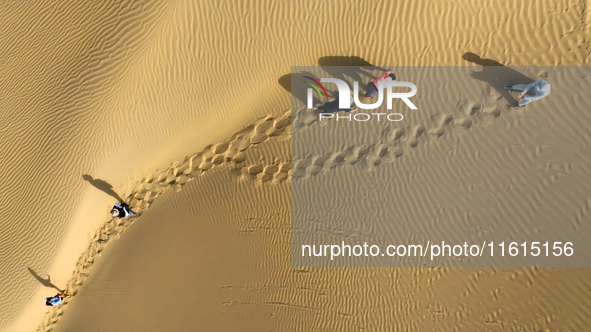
{"points": [[435, 176], [182, 108]]}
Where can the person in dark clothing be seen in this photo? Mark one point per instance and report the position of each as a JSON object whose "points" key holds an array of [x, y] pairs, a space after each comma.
{"points": [[121, 210], [56, 300], [372, 87]]}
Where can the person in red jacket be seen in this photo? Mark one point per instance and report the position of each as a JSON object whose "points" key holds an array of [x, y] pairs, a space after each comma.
{"points": [[372, 87]]}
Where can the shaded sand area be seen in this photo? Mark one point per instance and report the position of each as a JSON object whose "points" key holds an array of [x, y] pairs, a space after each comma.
{"points": [[97, 95]]}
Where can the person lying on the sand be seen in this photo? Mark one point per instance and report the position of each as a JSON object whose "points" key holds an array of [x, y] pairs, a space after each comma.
{"points": [[536, 91], [57, 299], [333, 106], [372, 87], [121, 210]]}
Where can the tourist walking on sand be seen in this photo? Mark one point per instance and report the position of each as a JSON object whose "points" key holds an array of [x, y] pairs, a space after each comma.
{"points": [[535, 91], [56, 300], [372, 87], [121, 210]]}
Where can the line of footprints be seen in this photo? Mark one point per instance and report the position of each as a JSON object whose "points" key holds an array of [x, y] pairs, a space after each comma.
{"points": [[233, 152], [394, 143]]}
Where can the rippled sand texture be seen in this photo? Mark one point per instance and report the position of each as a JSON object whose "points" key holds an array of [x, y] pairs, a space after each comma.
{"points": [[114, 90], [463, 167], [214, 256]]}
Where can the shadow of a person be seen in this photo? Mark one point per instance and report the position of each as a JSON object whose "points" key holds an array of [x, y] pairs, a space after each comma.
{"points": [[343, 60], [356, 69], [328, 62], [496, 75], [299, 91], [45, 282], [361, 74], [301, 115], [103, 186], [285, 82]]}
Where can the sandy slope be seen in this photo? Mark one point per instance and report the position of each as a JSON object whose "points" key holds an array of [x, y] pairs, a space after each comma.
{"points": [[463, 167], [215, 256], [116, 89]]}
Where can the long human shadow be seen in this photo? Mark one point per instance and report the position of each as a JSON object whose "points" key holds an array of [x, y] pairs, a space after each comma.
{"points": [[45, 282], [285, 82], [496, 75], [298, 90], [301, 114], [103, 186], [356, 69], [362, 74]]}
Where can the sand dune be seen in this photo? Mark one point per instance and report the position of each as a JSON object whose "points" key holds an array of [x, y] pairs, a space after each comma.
{"points": [[118, 90], [188, 251], [463, 167]]}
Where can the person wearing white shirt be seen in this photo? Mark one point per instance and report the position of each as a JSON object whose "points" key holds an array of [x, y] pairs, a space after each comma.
{"points": [[535, 91]]}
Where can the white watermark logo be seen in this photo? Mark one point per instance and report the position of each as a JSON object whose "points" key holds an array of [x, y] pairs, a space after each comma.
{"points": [[345, 92], [362, 116]]}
